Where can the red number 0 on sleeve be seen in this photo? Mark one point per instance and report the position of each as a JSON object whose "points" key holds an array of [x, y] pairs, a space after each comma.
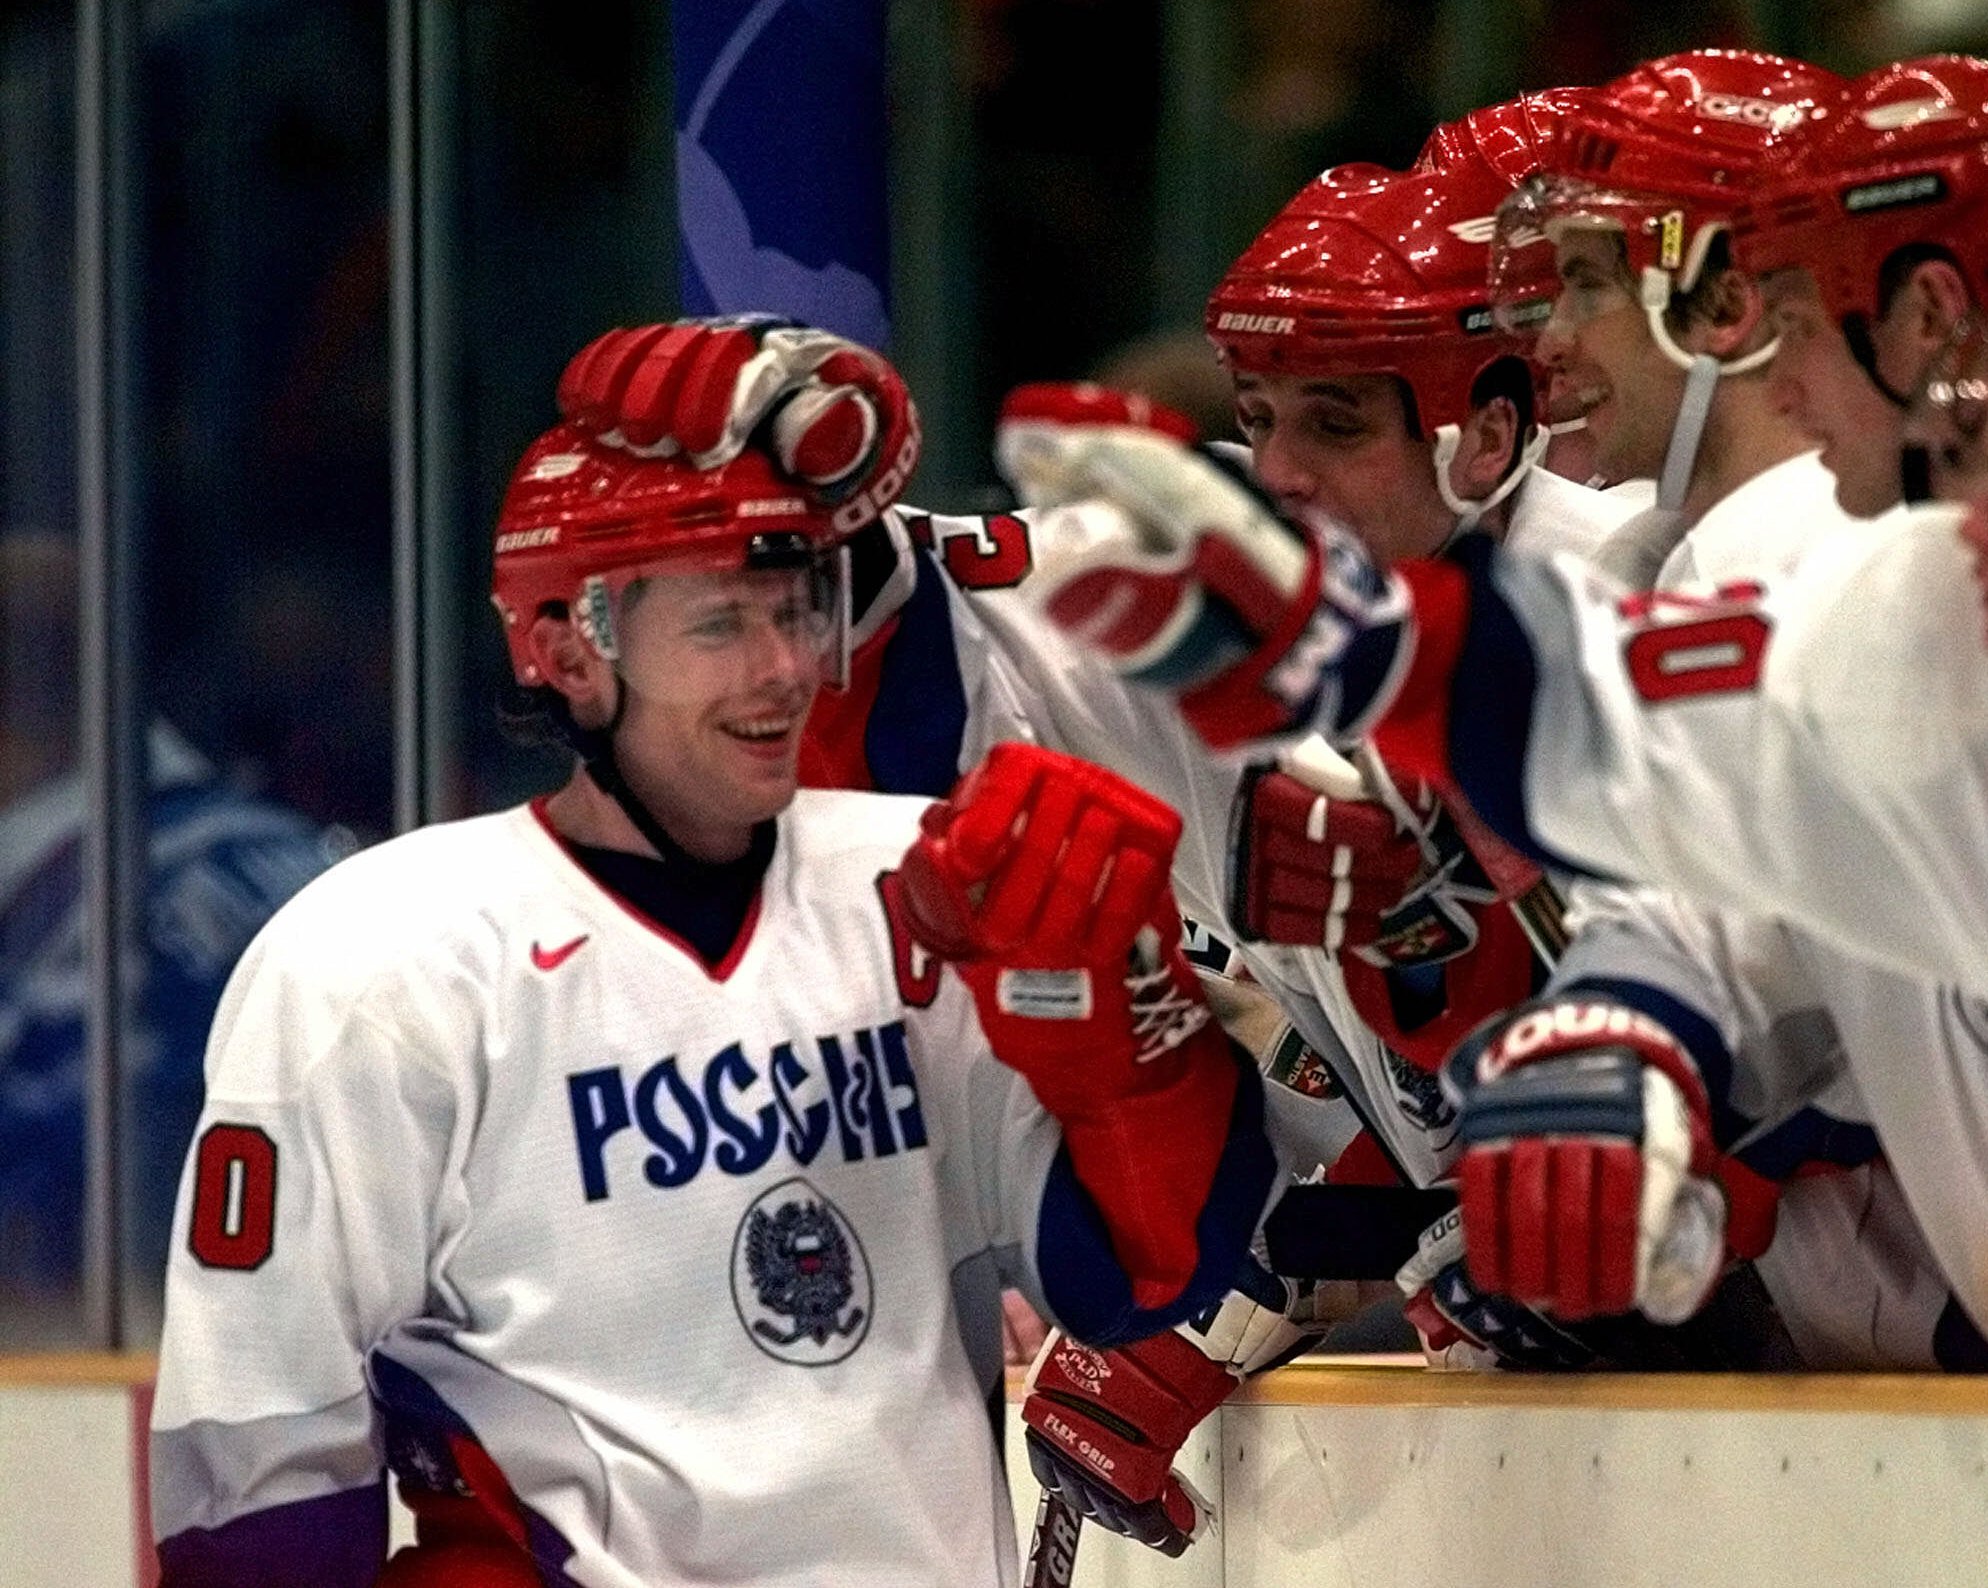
{"points": [[234, 1198], [1719, 653]]}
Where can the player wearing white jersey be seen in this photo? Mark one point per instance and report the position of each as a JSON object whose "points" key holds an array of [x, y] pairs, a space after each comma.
{"points": [[624, 1173], [1626, 764], [1747, 516], [1652, 330]]}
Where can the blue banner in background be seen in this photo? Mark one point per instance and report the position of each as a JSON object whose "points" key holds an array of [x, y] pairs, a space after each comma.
{"points": [[780, 159]]}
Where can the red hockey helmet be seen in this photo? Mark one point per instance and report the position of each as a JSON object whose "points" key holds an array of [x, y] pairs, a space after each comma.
{"points": [[581, 521], [1374, 272], [1506, 137], [1904, 159], [1660, 156]]}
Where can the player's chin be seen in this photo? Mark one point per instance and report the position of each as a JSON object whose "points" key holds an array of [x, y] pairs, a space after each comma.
{"points": [[764, 778]]}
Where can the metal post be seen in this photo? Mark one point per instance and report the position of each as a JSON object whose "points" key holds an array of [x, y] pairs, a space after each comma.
{"points": [[934, 301], [111, 729], [442, 459], [412, 795]]}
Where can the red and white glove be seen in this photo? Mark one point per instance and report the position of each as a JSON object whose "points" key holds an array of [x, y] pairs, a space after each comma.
{"points": [[1168, 561], [835, 416], [1104, 1426], [1044, 880], [1586, 1180]]}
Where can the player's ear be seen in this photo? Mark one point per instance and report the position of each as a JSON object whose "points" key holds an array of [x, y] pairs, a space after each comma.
{"points": [[1490, 444], [568, 663], [1933, 298], [1732, 313]]}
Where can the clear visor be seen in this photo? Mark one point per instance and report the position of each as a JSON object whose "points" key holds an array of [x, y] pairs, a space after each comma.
{"points": [[1560, 254], [1949, 413], [677, 626]]}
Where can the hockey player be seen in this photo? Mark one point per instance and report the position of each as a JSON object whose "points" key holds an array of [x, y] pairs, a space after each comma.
{"points": [[1775, 1021], [1866, 236], [1665, 341], [624, 1172], [1779, 688], [1757, 995]]}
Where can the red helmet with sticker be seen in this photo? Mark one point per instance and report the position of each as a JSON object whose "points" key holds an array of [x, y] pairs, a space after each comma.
{"points": [[1661, 155], [581, 520], [1903, 159], [1369, 271]]}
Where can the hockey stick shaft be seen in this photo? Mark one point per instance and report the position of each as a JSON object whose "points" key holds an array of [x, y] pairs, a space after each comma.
{"points": [[1052, 1561]]}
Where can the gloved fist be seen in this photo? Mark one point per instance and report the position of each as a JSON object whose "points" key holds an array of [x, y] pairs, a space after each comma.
{"points": [[1585, 1182], [1321, 857], [1040, 861], [1044, 880], [1172, 564], [1105, 1426], [835, 416]]}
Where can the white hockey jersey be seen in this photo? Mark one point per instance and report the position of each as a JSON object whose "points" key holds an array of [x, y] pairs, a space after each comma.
{"points": [[1817, 752], [1849, 1269], [707, 1262]]}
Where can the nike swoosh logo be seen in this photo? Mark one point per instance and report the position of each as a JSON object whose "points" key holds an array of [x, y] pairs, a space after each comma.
{"points": [[553, 958]]}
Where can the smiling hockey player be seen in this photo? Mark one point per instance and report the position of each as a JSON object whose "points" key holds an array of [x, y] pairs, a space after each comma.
{"points": [[624, 1173]]}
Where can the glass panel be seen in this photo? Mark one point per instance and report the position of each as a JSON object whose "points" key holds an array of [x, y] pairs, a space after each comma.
{"points": [[42, 989], [262, 343]]}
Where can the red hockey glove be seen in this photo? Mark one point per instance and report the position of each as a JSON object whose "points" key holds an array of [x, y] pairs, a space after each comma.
{"points": [[1170, 562], [834, 415], [1321, 856], [1585, 1182], [1044, 879], [1105, 1426]]}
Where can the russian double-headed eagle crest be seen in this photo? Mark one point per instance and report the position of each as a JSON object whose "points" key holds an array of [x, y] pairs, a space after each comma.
{"points": [[800, 1279]]}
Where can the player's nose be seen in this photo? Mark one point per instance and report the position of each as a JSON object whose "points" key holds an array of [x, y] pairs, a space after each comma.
{"points": [[1283, 473]]}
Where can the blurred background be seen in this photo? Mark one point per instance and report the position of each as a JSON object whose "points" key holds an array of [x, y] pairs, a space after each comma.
{"points": [[284, 289]]}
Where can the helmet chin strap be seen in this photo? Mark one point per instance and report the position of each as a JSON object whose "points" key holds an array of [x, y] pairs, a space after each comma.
{"points": [[1449, 438], [1701, 385], [595, 747], [1702, 373]]}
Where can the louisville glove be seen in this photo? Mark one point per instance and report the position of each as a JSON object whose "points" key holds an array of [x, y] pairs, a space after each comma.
{"points": [[835, 416], [1169, 561], [1585, 1184], [1044, 880], [1104, 1427]]}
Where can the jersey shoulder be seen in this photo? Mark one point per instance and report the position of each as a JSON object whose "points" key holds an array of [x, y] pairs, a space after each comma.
{"points": [[407, 903]]}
